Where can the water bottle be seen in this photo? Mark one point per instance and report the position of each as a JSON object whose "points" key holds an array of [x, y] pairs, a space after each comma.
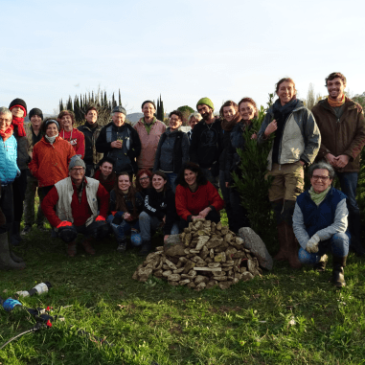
{"points": [[38, 289]]}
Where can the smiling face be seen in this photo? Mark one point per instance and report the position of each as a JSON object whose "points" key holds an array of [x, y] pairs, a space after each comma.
{"points": [[320, 180], [106, 169], [66, 122], [190, 177], [124, 182], [229, 112], [5, 121], [174, 122], [144, 180], [91, 116], [148, 110], [77, 174], [205, 111], [118, 119], [17, 112], [36, 121], [51, 130], [247, 111], [335, 88], [158, 183], [286, 92]]}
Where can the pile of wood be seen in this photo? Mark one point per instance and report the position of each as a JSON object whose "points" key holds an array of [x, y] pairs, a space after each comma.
{"points": [[206, 254]]}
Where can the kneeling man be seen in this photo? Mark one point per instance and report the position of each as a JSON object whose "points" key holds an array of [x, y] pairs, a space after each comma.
{"points": [[320, 223], [77, 204]]}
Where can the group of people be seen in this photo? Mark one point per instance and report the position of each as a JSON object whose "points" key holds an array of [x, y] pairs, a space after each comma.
{"points": [[132, 181]]}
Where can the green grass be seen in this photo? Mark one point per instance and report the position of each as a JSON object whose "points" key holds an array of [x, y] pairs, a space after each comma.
{"points": [[284, 317]]}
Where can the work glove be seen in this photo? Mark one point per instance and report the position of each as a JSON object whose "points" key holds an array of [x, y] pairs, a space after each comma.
{"points": [[312, 244], [99, 218], [64, 224]]}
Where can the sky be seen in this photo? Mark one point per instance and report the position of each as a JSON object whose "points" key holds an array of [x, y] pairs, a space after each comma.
{"points": [[181, 49]]}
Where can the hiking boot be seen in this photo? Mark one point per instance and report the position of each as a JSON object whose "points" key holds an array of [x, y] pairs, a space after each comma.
{"points": [[87, 247], [26, 230], [122, 246], [71, 249], [338, 278], [146, 248]]}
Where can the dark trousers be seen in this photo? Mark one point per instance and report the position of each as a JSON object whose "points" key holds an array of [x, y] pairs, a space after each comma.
{"points": [[213, 216], [239, 217], [6, 208], [19, 188]]}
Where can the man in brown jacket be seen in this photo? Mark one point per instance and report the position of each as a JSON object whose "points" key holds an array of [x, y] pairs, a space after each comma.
{"points": [[342, 125]]}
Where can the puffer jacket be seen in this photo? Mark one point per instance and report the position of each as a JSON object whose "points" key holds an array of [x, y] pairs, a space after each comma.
{"points": [[300, 139], [50, 161], [149, 142], [343, 136], [8, 166]]}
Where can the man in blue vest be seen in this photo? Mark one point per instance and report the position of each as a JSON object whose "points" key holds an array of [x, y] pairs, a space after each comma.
{"points": [[119, 141]]}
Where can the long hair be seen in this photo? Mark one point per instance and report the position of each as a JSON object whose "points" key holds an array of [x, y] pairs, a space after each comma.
{"points": [[228, 126], [251, 101], [120, 203], [139, 174], [200, 178]]}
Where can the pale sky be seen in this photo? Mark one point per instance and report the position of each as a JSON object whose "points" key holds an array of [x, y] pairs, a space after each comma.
{"points": [[182, 49]]}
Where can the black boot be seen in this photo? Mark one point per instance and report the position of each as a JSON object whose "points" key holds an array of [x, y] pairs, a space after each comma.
{"points": [[15, 238], [146, 248], [320, 266], [338, 278], [6, 262]]}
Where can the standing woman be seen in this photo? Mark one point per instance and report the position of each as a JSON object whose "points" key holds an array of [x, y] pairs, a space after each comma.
{"points": [[230, 117], [8, 172], [51, 157], [296, 144], [66, 119], [159, 210], [173, 149], [248, 111], [18, 108], [125, 206], [143, 181], [196, 197]]}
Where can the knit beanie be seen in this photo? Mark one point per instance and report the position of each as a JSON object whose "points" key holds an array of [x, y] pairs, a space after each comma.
{"points": [[52, 121], [21, 103], [205, 101], [76, 160], [120, 109], [35, 111]]}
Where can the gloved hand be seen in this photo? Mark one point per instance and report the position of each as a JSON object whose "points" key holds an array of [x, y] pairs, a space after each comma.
{"points": [[99, 218], [64, 224], [312, 244]]}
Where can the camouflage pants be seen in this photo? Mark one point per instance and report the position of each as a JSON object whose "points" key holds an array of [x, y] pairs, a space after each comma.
{"points": [[29, 214]]}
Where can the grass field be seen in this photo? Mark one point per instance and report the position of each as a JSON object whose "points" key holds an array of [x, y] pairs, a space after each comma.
{"points": [[284, 317]]}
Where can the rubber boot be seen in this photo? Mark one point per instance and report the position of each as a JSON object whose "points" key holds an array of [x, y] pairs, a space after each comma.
{"points": [[146, 248], [6, 262], [15, 238], [283, 253], [338, 278], [320, 266], [15, 257]]}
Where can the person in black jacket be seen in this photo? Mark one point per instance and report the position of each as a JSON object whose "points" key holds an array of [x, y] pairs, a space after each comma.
{"points": [[120, 142], [18, 107], [172, 149], [159, 210], [230, 117], [206, 142], [91, 130], [248, 110]]}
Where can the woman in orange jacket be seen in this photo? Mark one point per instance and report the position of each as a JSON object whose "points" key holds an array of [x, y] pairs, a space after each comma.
{"points": [[51, 157]]}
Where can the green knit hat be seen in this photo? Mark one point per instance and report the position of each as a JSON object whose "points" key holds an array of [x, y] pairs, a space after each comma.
{"points": [[205, 101]]}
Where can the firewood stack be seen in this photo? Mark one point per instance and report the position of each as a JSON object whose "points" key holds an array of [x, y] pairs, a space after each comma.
{"points": [[206, 254]]}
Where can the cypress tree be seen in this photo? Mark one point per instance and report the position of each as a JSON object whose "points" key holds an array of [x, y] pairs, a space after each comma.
{"points": [[119, 98], [61, 106], [69, 104]]}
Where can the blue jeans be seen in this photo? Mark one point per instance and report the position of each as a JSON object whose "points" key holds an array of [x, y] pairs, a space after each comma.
{"points": [[124, 229], [150, 223], [339, 245], [171, 177]]}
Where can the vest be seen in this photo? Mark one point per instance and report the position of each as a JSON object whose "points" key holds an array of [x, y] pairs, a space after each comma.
{"points": [[319, 217], [65, 192]]}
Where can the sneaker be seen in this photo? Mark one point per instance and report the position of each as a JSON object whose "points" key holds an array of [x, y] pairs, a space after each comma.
{"points": [[122, 246], [26, 230]]}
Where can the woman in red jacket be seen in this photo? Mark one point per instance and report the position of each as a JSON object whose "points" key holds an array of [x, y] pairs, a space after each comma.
{"points": [[196, 197]]}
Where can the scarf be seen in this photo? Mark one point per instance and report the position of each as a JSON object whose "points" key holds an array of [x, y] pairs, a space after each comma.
{"points": [[228, 126], [19, 122], [318, 197], [335, 103], [92, 126], [7, 133], [51, 139]]}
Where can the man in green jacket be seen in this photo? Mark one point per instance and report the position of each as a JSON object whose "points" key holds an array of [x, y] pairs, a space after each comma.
{"points": [[342, 125]]}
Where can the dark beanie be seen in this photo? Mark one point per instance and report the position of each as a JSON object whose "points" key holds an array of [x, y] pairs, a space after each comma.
{"points": [[35, 111], [19, 102]]}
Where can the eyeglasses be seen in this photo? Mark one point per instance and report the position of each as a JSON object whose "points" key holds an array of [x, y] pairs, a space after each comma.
{"points": [[317, 178], [144, 178]]}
